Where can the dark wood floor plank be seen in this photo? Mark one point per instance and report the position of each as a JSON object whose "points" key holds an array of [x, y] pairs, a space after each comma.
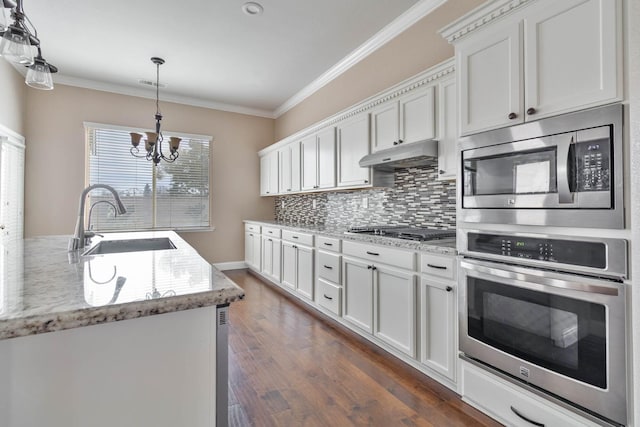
{"points": [[291, 366]]}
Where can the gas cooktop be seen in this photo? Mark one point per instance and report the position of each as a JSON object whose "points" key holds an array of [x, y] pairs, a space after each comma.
{"points": [[403, 232]]}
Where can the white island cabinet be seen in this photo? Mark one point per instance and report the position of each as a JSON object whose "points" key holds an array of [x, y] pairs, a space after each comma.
{"points": [[119, 339]]}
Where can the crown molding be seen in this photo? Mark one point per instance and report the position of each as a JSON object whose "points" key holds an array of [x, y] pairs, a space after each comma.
{"points": [[437, 72], [400, 24], [145, 93], [479, 17]]}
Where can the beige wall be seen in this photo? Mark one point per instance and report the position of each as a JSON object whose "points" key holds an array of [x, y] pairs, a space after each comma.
{"points": [[55, 161], [416, 49], [13, 93]]}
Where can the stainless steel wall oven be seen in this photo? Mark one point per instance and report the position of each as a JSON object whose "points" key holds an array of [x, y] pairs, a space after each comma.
{"points": [[555, 171], [548, 312]]}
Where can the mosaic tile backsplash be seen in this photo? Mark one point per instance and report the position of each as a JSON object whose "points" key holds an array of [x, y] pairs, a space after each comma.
{"points": [[417, 199]]}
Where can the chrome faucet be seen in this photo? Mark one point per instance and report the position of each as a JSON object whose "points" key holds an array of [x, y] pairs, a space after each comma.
{"points": [[78, 241]]}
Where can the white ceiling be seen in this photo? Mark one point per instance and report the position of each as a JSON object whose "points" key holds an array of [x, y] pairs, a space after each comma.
{"points": [[215, 54]]}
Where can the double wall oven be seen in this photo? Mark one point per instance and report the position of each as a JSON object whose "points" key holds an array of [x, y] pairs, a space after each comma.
{"points": [[547, 310]]}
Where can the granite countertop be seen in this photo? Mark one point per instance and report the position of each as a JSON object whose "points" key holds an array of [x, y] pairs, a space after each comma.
{"points": [[441, 246], [44, 288]]}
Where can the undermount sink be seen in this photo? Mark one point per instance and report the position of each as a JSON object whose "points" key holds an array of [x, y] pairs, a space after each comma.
{"points": [[131, 245]]}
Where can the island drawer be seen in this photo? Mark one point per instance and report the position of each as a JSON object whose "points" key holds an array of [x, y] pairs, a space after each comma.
{"points": [[296, 237], [271, 231], [395, 257], [254, 228], [329, 266], [328, 243], [328, 296], [438, 265]]}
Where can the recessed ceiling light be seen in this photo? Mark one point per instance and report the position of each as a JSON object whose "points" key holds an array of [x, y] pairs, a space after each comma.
{"points": [[252, 8]]}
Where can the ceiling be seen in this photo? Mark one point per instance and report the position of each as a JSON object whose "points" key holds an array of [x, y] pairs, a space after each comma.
{"points": [[215, 54]]}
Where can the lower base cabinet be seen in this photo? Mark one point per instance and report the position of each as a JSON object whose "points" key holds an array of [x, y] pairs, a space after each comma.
{"points": [[271, 252], [328, 296], [297, 268], [357, 283], [395, 308], [252, 251], [437, 320]]}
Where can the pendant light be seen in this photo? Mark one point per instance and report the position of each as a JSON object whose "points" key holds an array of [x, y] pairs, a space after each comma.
{"points": [[18, 42], [153, 143]]}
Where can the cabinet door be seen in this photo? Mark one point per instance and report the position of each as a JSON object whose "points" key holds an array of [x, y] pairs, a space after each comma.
{"points": [[395, 308], [309, 154], [353, 144], [490, 79], [256, 251], [438, 326], [264, 175], [248, 249], [273, 172], [327, 158], [357, 304], [294, 150], [304, 273], [571, 59], [448, 130], [267, 256], [417, 116], [289, 262], [384, 126], [284, 155]]}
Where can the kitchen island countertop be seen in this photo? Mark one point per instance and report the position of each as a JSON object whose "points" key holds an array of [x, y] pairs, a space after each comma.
{"points": [[57, 290]]}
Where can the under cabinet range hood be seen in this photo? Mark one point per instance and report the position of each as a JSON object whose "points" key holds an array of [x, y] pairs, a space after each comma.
{"points": [[402, 156]]}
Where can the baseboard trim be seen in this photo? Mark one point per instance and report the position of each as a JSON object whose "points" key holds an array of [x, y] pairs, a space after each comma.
{"points": [[233, 265]]}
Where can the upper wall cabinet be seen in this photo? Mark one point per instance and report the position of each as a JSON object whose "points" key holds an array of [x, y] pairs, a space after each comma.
{"points": [[545, 58], [319, 160], [289, 168], [447, 129], [269, 174], [408, 119], [353, 144]]}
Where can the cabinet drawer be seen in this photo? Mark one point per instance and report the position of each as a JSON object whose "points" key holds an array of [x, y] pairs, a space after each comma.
{"points": [[498, 397], [391, 256], [294, 236], [438, 265], [271, 231], [328, 243], [329, 266], [328, 296], [254, 228]]}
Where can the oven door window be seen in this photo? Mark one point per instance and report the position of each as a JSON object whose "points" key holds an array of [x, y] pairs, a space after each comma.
{"points": [[562, 334], [512, 173]]}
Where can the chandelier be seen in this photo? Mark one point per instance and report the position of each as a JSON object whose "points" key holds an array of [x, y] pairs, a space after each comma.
{"points": [[18, 43], [153, 143]]}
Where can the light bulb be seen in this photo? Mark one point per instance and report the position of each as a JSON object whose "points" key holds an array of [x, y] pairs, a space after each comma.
{"points": [[16, 47], [39, 75]]}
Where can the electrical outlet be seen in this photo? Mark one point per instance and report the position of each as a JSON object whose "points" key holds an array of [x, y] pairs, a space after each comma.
{"points": [[365, 202], [313, 203]]}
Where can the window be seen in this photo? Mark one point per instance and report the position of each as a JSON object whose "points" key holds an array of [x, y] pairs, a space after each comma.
{"points": [[167, 196]]}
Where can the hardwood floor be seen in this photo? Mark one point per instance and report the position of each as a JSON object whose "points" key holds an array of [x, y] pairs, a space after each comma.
{"points": [[291, 366]]}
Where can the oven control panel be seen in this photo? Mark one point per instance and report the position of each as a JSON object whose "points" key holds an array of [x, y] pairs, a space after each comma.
{"points": [[574, 252]]}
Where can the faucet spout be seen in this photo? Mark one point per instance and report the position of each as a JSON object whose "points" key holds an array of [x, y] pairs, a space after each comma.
{"points": [[78, 239]]}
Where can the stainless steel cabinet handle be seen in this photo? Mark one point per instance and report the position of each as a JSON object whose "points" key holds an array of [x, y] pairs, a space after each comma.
{"points": [[328, 297], [295, 237], [439, 267], [328, 244], [372, 253], [535, 423], [329, 267]]}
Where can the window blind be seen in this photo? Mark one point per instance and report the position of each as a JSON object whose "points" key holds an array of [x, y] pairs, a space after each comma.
{"points": [[167, 196]]}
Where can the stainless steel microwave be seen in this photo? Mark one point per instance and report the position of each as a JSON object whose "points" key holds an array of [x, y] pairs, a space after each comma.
{"points": [[560, 171]]}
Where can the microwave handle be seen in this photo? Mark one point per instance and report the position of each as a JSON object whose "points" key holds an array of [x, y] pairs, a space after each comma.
{"points": [[565, 196]]}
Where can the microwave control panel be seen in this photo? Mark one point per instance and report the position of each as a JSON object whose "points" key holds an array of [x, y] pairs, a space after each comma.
{"points": [[593, 166], [588, 254]]}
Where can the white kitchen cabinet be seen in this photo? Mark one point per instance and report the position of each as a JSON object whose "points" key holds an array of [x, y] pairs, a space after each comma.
{"points": [[357, 301], [252, 250], [395, 308], [551, 58], [289, 168], [447, 129], [353, 144], [297, 268], [319, 160], [409, 119], [437, 321], [271, 253], [269, 174]]}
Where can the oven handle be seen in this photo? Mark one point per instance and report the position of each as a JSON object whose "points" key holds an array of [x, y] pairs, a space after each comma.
{"points": [[542, 281], [562, 174]]}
